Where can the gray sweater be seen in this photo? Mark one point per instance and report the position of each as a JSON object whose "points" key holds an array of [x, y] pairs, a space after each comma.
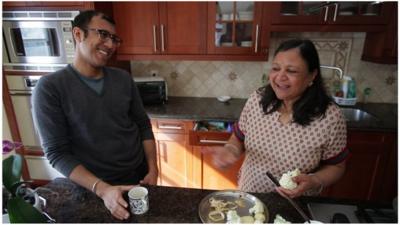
{"points": [[103, 132]]}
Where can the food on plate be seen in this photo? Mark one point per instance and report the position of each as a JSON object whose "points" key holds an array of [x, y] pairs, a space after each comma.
{"points": [[228, 210], [232, 217], [286, 179], [246, 219], [280, 219], [216, 216], [240, 202], [221, 205], [257, 208], [259, 217]]}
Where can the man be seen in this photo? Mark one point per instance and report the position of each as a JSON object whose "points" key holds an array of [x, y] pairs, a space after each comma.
{"points": [[91, 121]]}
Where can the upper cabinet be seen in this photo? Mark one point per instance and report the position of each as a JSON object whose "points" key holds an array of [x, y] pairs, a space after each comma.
{"points": [[331, 13], [34, 5], [160, 28], [237, 28]]}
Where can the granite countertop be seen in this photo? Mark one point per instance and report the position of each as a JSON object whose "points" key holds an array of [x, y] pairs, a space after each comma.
{"points": [[69, 203], [194, 108]]}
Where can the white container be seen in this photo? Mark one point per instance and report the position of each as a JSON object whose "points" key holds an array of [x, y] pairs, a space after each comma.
{"points": [[345, 85], [345, 101]]}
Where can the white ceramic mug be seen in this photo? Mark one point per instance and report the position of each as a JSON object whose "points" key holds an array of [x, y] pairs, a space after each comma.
{"points": [[138, 200]]}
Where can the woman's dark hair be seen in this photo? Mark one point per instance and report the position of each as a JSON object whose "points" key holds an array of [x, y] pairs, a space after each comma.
{"points": [[83, 19], [314, 100]]}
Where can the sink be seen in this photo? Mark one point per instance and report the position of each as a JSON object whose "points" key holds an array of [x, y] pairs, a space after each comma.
{"points": [[355, 115]]}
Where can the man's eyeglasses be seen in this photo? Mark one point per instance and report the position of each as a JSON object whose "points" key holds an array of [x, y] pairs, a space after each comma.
{"points": [[105, 35]]}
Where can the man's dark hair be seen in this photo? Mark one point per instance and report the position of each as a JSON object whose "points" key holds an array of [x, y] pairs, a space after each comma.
{"points": [[314, 101], [83, 19]]}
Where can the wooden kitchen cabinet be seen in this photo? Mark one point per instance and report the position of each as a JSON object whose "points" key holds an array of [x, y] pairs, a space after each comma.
{"points": [[238, 28], [209, 176], [34, 5], [160, 28], [381, 47], [371, 172], [333, 16], [175, 157]]}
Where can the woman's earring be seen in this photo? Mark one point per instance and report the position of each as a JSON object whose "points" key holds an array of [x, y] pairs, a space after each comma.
{"points": [[310, 84]]}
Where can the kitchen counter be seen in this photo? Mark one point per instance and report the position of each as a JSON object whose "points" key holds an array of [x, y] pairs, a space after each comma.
{"points": [[67, 202], [194, 108]]}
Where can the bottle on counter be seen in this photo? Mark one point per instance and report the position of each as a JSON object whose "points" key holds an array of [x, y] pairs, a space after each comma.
{"points": [[345, 85], [351, 92]]}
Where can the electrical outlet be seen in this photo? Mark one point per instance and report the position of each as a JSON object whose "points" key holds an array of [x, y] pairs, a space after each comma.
{"points": [[154, 73]]}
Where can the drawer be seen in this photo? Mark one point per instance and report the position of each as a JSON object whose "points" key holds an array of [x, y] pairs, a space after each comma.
{"points": [[202, 138], [210, 133], [171, 126]]}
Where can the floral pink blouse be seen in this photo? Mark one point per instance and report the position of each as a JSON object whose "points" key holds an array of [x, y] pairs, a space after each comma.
{"points": [[278, 148]]}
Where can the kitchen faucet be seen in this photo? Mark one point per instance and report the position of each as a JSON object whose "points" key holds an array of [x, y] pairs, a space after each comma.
{"points": [[338, 70]]}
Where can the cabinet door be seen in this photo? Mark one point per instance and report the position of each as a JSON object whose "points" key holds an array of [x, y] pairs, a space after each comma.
{"points": [[365, 168], [174, 157], [359, 13], [298, 12], [235, 28], [324, 13], [137, 25], [35, 5], [183, 27], [216, 178]]}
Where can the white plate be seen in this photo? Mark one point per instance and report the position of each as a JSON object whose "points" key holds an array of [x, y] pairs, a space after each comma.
{"points": [[224, 98]]}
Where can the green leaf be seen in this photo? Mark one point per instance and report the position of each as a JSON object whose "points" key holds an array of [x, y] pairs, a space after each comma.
{"points": [[12, 169], [20, 211]]}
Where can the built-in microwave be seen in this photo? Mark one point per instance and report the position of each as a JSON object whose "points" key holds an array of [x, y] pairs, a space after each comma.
{"points": [[39, 37]]}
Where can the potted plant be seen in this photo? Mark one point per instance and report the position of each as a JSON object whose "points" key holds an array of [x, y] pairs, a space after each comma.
{"points": [[18, 209]]}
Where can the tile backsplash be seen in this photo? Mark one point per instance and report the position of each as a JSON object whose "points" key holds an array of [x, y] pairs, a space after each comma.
{"points": [[240, 78]]}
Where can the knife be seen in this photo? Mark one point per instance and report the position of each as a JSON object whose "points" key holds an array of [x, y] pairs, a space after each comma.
{"points": [[293, 203]]}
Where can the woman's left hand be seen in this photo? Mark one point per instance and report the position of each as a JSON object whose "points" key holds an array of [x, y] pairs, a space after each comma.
{"points": [[304, 183]]}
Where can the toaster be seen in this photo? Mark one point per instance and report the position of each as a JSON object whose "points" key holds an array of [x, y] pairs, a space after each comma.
{"points": [[152, 90]]}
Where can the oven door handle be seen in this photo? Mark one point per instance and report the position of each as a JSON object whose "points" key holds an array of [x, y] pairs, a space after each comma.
{"points": [[212, 141], [20, 93]]}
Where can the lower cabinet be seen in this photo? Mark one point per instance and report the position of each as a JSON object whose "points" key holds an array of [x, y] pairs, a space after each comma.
{"points": [[371, 172], [210, 176], [175, 157]]}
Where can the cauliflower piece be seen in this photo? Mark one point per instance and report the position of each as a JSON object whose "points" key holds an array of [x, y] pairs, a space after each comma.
{"points": [[259, 217], [246, 219], [257, 208], [232, 217], [280, 219], [286, 179]]}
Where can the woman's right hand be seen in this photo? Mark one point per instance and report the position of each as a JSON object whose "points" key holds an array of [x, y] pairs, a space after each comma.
{"points": [[222, 157]]}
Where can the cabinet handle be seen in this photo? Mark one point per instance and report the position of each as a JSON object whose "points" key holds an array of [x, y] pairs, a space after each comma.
{"points": [[162, 38], [326, 13], [154, 38], [336, 10], [213, 142], [256, 45], [170, 127]]}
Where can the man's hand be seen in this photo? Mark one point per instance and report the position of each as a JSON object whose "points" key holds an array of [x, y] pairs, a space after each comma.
{"points": [[150, 178], [113, 199]]}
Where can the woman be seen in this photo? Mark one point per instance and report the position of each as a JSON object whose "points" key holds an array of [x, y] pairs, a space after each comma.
{"points": [[291, 123]]}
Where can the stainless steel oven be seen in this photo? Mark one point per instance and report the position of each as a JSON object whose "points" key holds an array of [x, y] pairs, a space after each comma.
{"points": [[20, 88], [43, 37]]}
